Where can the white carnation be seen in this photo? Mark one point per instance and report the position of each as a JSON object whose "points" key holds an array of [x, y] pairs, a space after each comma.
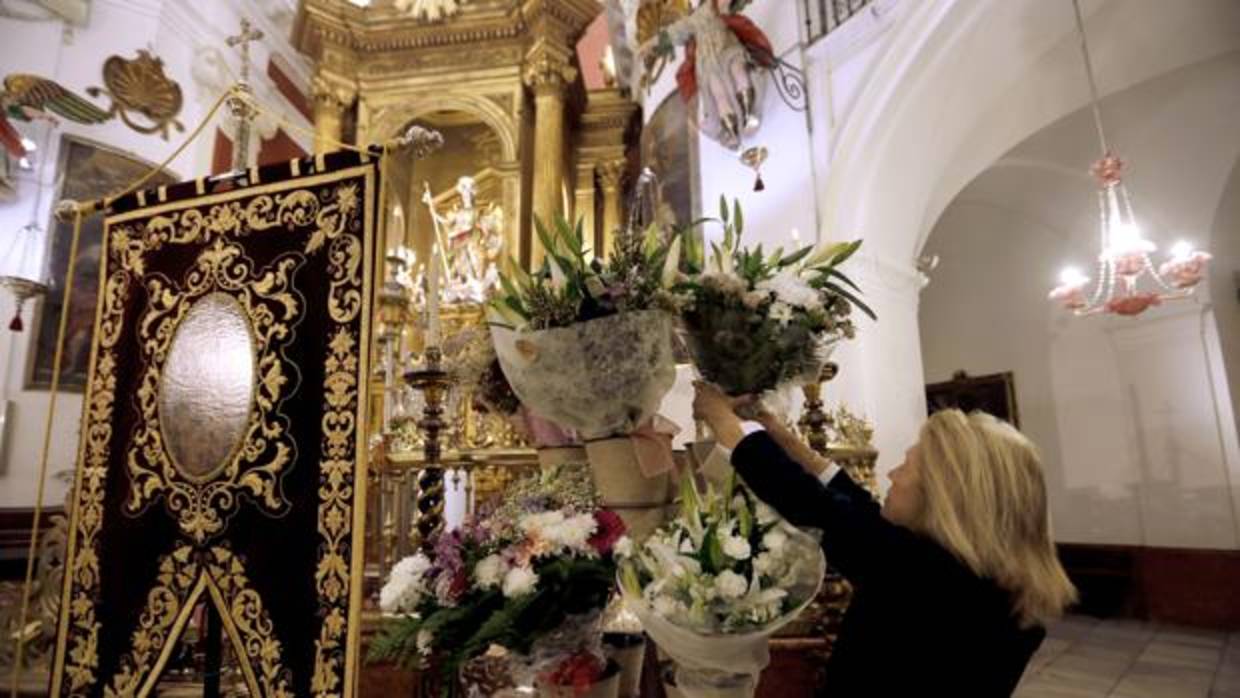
{"points": [[489, 572], [519, 581], [572, 533], [736, 548], [390, 597], [405, 585], [764, 563], [781, 312], [791, 289], [538, 523], [412, 566], [731, 585]]}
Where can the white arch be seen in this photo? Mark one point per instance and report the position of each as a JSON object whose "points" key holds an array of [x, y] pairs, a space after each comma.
{"points": [[965, 80], [395, 117]]}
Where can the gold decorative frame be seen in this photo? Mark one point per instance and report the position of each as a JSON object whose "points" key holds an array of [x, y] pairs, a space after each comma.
{"points": [[202, 503], [334, 207], [139, 85]]}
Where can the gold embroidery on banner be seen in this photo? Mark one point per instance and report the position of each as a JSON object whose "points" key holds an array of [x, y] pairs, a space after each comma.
{"points": [[249, 624], [83, 572], [181, 581], [331, 204], [177, 588], [272, 306], [335, 494]]}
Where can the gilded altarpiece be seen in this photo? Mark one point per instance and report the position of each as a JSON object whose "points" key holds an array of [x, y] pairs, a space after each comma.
{"points": [[222, 448]]}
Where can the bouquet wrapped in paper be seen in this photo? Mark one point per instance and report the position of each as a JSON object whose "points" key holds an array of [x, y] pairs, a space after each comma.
{"points": [[527, 584], [587, 344], [756, 322], [712, 585]]}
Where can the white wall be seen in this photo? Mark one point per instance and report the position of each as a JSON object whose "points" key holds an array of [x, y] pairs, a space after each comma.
{"points": [[189, 37], [801, 149], [1134, 416]]}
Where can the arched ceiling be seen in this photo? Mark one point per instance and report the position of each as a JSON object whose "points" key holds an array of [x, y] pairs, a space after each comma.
{"points": [[967, 80]]}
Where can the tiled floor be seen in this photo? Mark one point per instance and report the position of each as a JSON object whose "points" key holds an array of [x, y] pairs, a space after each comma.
{"points": [[1086, 658]]}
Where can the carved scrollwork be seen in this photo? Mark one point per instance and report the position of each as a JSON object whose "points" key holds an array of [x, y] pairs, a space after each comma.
{"points": [[271, 306], [139, 85]]}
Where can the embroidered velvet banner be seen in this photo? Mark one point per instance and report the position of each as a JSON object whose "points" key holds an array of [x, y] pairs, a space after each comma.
{"points": [[222, 446]]}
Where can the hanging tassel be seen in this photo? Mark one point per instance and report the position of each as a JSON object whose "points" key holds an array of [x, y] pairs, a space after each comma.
{"points": [[753, 158], [15, 325]]}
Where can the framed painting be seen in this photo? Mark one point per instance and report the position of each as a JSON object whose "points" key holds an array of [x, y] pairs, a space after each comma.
{"points": [[87, 171], [669, 147], [994, 393]]}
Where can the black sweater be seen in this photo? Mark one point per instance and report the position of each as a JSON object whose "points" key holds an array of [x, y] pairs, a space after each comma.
{"points": [[920, 623]]}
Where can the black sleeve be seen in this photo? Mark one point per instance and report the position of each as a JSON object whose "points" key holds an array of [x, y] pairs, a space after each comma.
{"points": [[857, 540]]}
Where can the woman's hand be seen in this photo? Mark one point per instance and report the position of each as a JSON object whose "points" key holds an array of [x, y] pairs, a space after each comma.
{"points": [[719, 412]]}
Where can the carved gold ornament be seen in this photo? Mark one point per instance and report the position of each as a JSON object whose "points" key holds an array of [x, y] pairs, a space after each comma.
{"points": [[430, 10], [202, 497], [139, 85]]}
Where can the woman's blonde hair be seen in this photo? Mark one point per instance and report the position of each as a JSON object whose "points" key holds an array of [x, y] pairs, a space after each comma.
{"points": [[985, 501]]}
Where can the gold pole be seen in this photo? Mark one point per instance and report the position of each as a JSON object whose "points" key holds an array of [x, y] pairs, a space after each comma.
{"points": [[43, 456]]}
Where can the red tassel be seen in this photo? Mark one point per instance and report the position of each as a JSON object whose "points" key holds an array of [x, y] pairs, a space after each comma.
{"points": [[16, 324], [758, 184]]}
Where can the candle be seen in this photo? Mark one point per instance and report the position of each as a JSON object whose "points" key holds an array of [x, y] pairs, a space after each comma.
{"points": [[397, 232], [432, 292]]}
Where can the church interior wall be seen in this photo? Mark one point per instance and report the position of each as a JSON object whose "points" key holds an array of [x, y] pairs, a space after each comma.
{"points": [[1134, 415], [952, 91], [189, 37], [1225, 295]]}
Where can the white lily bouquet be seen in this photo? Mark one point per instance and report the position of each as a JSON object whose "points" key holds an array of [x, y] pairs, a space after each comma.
{"points": [[712, 585], [758, 321]]}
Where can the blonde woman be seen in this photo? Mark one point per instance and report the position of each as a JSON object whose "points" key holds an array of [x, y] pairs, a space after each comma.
{"points": [[954, 576]]}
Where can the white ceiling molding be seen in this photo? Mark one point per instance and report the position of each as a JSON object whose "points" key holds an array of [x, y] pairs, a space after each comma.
{"points": [[73, 11]]}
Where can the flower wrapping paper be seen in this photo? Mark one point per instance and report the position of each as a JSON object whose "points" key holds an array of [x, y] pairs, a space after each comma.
{"points": [[601, 378]]}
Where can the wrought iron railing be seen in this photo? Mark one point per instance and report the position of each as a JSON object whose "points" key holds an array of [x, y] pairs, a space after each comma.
{"points": [[823, 16]]}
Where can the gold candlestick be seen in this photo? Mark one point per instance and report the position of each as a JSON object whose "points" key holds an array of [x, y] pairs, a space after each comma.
{"points": [[434, 382], [814, 419]]}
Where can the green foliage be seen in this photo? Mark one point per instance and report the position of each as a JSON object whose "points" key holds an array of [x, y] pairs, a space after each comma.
{"points": [[756, 318], [571, 287]]}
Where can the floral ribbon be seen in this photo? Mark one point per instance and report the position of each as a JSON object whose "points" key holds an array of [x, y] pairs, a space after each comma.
{"points": [[652, 446]]}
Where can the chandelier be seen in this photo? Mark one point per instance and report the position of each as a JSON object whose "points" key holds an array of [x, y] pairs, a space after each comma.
{"points": [[1127, 282]]}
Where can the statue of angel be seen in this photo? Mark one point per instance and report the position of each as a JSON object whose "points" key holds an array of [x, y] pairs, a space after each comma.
{"points": [[723, 52], [27, 97]]}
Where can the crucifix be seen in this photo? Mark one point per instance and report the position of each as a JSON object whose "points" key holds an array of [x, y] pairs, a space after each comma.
{"points": [[240, 109]]}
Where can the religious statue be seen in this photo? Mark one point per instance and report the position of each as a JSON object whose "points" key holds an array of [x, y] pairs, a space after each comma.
{"points": [[723, 53], [27, 97], [471, 239]]}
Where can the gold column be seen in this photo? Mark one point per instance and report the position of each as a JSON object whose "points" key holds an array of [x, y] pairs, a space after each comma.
{"points": [[510, 180], [611, 181], [330, 102], [583, 205], [548, 76]]}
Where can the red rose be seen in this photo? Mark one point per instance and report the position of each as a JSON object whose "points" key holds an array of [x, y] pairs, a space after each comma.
{"points": [[580, 671], [610, 529]]}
